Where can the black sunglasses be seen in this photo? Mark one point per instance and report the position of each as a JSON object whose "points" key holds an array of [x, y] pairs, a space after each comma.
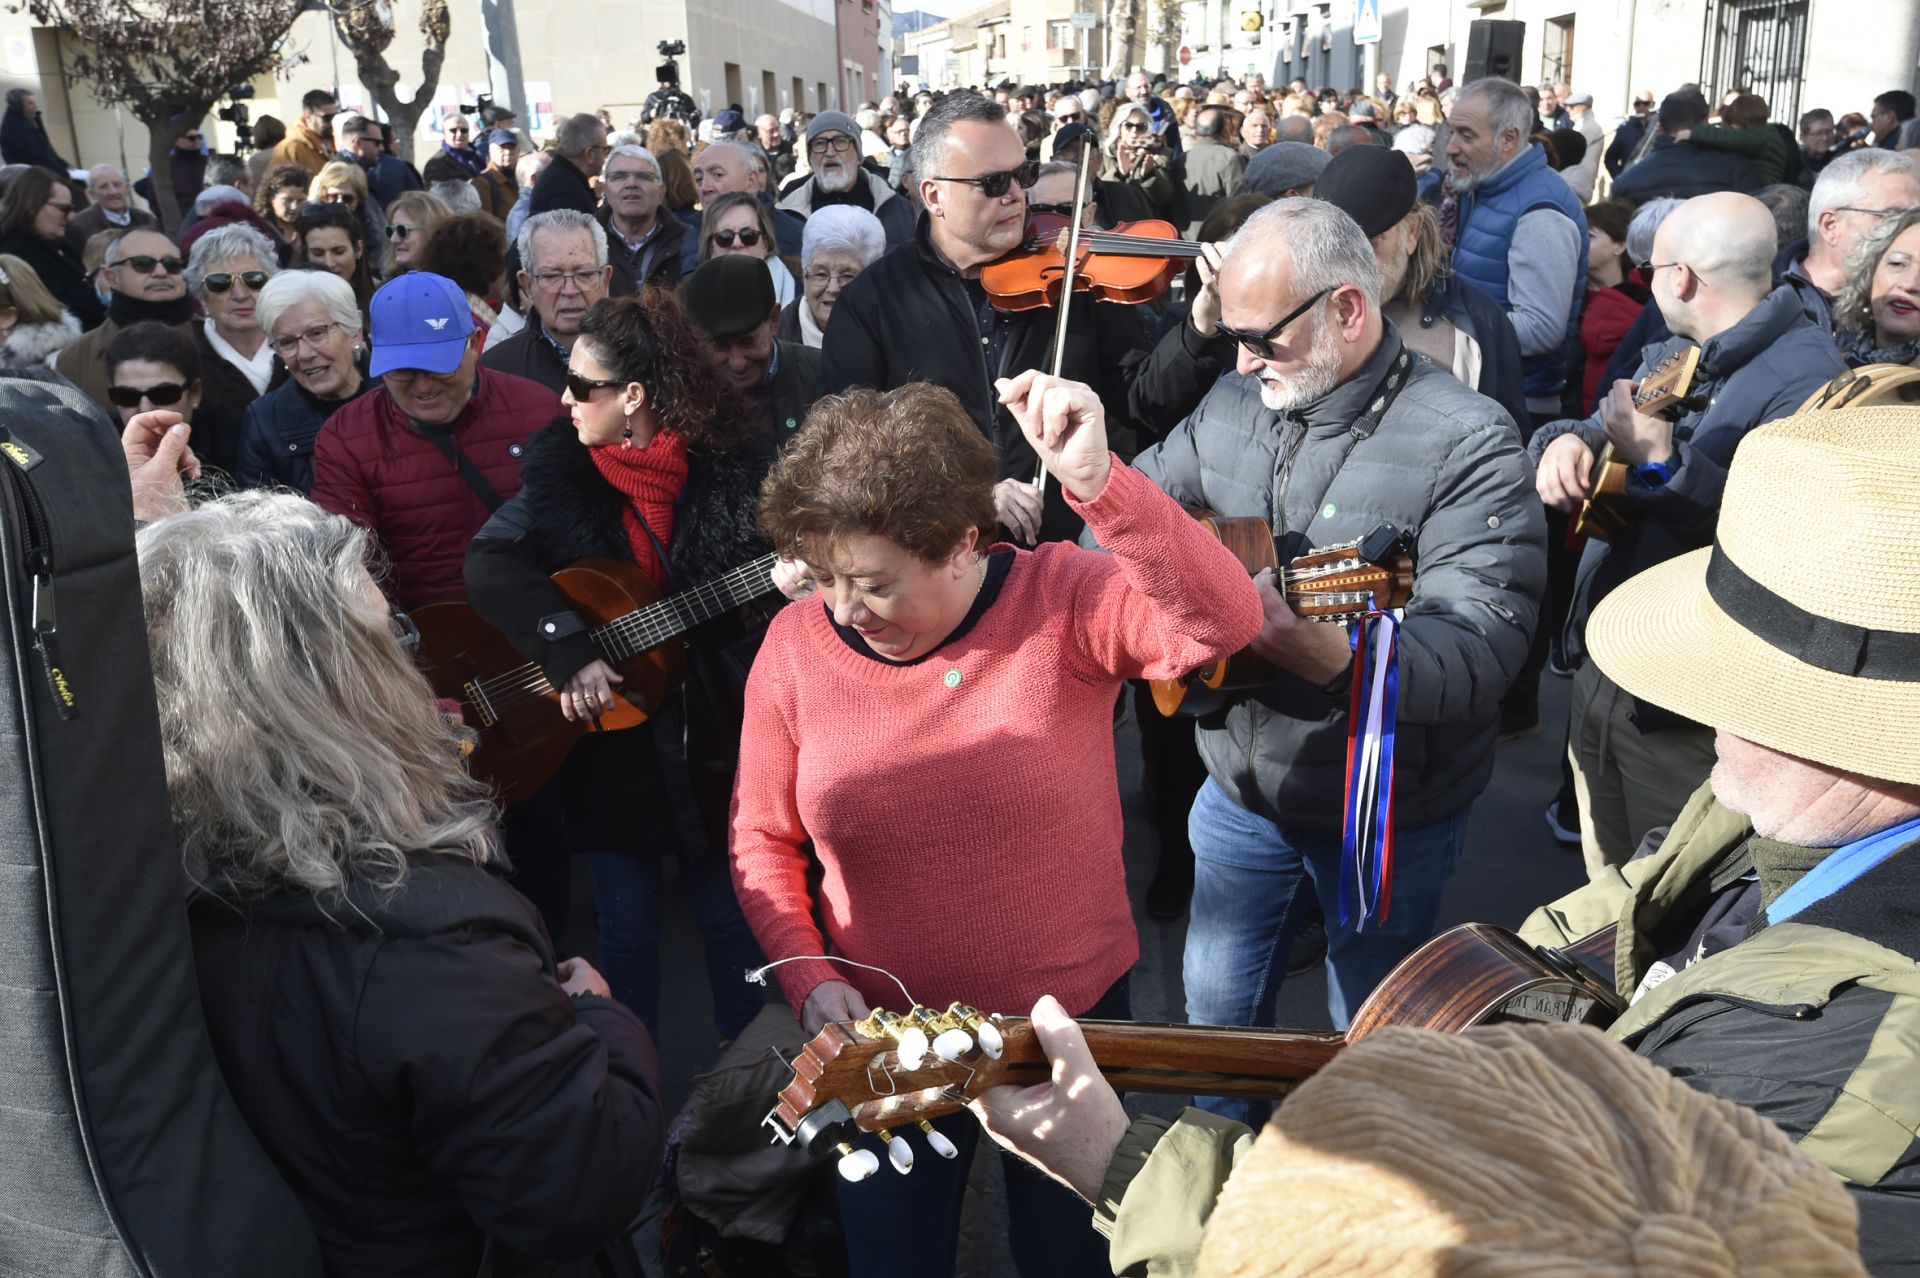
{"points": [[161, 394], [223, 280], [398, 230], [1064, 210], [994, 185], [1260, 345], [748, 237], [582, 388], [145, 265]]}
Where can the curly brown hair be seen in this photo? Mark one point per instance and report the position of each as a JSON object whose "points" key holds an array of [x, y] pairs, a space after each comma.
{"points": [[649, 339], [907, 464], [470, 250]]}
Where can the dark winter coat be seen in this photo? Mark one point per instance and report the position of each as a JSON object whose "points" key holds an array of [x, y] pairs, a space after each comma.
{"points": [[59, 268], [23, 140], [563, 186], [422, 1081], [667, 246], [1445, 466], [372, 466], [529, 354], [1684, 170], [870, 192], [566, 511], [447, 165], [276, 439], [910, 317]]}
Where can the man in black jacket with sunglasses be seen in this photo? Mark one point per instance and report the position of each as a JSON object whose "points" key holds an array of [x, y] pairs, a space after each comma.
{"points": [[920, 313]]}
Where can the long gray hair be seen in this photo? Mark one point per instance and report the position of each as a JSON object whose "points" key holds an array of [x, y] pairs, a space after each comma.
{"points": [[304, 751]]}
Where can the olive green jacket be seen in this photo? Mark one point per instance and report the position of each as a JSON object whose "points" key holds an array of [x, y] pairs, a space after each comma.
{"points": [[1829, 998]]}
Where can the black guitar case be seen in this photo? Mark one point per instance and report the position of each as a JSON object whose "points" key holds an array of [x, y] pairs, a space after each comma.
{"points": [[121, 1152]]}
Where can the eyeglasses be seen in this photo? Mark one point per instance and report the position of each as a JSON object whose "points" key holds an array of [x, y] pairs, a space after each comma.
{"points": [[822, 279], [160, 395], [1260, 345], [995, 185], [286, 347], [582, 280], [1063, 209], [405, 633], [457, 132], [1072, 117], [747, 236], [838, 143], [582, 388], [347, 198], [1878, 215], [620, 176], [1137, 126], [64, 208], [398, 230], [143, 264], [221, 281]]}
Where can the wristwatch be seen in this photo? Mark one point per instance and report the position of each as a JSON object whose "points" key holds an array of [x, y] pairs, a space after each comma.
{"points": [[1654, 474]]}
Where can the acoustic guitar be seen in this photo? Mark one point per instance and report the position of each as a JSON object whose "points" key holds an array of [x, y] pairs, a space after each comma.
{"points": [[1606, 512], [523, 736], [890, 1071], [1337, 583]]}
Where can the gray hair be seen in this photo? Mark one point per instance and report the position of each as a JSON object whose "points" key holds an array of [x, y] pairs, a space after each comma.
{"points": [[530, 166], [1788, 204], [631, 151], [1414, 139], [292, 288], [1508, 106], [1324, 247], [1853, 309], [331, 763], [458, 195], [1645, 224], [560, 220], [104, 168], [577, 133], [226, 170], [843, 228], [227, 244], [930, 143], [1843, 182]]}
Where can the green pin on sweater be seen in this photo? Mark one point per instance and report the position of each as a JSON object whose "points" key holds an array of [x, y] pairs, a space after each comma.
{"points": [[952, 679]]}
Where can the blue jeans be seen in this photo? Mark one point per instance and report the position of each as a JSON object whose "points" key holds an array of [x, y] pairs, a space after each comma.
{"points": [[899, 1225], [626, 902], [1247, 877]]}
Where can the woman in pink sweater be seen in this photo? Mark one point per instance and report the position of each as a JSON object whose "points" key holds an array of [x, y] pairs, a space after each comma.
{"points": [[934, 736]]}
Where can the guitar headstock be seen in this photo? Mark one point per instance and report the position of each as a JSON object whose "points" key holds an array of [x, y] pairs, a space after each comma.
{"points": [[1669, 382], [1343, 582], [891, 1071]]}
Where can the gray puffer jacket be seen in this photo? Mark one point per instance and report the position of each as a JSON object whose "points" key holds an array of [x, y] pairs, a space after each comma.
{"points": [[1446, 466]]}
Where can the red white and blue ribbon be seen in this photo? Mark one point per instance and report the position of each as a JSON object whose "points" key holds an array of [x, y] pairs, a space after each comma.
{"points": [[1366, 865]]}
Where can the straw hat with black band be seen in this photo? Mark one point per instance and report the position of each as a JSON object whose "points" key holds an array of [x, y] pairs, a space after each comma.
{"points": [[1799, 628]]}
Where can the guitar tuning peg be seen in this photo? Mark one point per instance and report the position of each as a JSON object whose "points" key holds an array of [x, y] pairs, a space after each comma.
{"points": [[912, 1048], [937, 1140], [899, 1153], [984, 1030], [952, 1045], [857, 1164]]}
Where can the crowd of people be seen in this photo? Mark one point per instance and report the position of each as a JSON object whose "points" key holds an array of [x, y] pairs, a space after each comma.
{"points": [[689, 348]]}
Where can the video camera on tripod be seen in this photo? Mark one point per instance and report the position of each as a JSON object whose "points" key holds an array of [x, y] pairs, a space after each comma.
{"points": [[238, 115], [668, 72]]}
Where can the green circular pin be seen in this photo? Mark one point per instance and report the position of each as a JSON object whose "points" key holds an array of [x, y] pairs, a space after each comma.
{"points": [[953, 679], [1327, 511]]}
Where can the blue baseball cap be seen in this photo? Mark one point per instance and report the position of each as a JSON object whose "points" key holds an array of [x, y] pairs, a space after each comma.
{"points": [[501, 137], [420, 321]]}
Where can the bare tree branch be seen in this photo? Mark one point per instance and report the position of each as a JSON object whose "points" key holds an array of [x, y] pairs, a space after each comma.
{"points": [[366, 28], [168, 61]]}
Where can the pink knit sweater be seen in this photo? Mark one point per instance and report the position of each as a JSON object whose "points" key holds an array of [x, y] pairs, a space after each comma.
{"points": [[965, 810]]}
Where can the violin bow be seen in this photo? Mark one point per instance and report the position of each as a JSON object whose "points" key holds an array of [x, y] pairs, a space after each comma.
{"points": [[1066, 280]]}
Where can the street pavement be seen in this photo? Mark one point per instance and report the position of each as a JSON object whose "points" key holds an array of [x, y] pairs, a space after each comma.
{"points": [[1510, 865]]}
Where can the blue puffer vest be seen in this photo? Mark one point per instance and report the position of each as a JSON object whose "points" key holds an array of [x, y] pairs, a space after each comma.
{"points": [[1487, 219]]}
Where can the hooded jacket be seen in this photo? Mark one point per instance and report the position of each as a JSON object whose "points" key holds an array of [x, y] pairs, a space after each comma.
{"points": [[1444, 466]]}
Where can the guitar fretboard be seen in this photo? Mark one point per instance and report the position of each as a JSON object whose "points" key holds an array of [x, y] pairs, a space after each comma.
{"points": [[649, 627]]}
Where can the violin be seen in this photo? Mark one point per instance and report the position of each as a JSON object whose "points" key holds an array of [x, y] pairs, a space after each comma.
{"points": [[1132, 263]]}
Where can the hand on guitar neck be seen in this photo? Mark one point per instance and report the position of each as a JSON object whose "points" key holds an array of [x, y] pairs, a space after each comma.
{"points": [[1319, 654], [1070, 1125], [1637, 436]]}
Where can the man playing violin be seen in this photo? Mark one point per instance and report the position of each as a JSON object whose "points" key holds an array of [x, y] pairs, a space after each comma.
{"points": [[921, 313], [1328, 427]]}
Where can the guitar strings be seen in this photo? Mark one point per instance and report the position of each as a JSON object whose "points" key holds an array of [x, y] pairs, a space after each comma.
{"points": [[758, 975]]}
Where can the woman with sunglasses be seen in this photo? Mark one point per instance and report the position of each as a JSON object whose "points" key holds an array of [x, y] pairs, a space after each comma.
{"points": [[410, 219], [33, 228], [739, 222], [332, 239], [650, 466], [1134, 180], [226, 271], [153, 365]]}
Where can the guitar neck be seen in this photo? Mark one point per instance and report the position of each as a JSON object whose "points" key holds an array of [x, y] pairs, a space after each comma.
{"points": [[649, 627], [1204, 1060]]}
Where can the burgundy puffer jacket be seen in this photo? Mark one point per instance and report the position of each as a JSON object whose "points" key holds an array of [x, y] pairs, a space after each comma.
{"points": [[369, 466]]}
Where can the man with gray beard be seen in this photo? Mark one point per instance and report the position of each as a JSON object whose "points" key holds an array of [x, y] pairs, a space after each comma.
{"points": [[833, 153], [1328, 427]]}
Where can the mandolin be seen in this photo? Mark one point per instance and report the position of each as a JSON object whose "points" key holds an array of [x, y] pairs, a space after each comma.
{"points": [[1338, 583], [1606, 512], [890, 1071], [523, 736]]}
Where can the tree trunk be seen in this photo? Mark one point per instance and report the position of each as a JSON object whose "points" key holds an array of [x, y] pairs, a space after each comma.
{"points": [[1122, 17]]}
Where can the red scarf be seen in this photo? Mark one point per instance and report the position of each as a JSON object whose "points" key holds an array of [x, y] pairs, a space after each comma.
{"points": [[651, 479]]}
